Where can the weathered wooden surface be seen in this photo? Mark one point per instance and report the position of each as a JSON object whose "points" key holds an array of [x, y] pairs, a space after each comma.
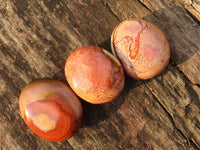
{"points": [[36, 38]]}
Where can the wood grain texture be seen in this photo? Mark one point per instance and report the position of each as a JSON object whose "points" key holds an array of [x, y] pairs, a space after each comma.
{"points": [[36, 37]]}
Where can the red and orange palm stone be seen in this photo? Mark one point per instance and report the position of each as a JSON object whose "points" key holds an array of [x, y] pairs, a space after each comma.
{"points": [[50, 109], [141, 47], [94, 74]]}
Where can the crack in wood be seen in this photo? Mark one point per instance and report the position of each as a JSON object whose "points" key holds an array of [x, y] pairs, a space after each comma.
{"points": [[192, 16], [110, 9], [143, 4]]}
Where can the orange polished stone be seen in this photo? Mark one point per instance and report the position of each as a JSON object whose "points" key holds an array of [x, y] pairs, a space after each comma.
{"points": [[141, 47], [94, 74], [50, 109]]}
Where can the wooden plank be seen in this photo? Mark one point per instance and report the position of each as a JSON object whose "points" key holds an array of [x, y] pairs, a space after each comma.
{"points": [[36, 37]]}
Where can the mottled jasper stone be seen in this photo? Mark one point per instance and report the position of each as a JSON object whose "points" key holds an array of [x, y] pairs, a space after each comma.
{"points": [[141, 47], [94, 74]]}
